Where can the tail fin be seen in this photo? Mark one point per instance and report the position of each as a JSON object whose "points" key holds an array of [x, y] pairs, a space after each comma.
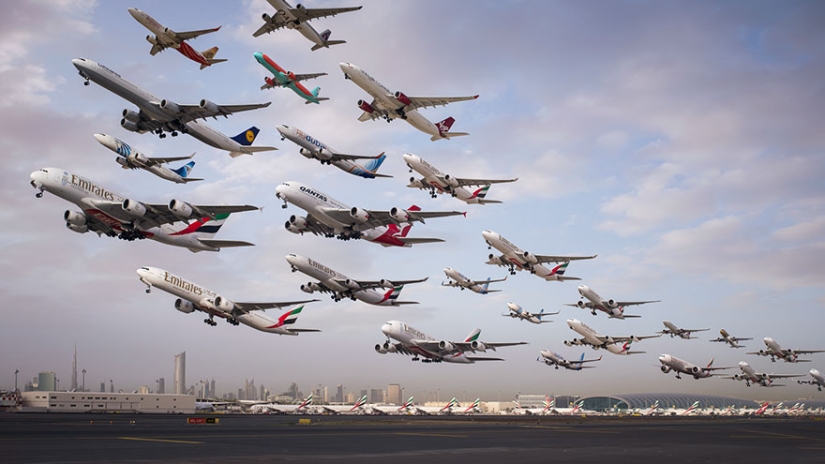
{"points": [[559, 270], [473, 335], [184, 170], [445, 125], [485, 286], [290, 316], [392, 294], [246, 137], [481, 193], [315, 91], [204, 227], [374, 164], [210, 53], [325, 37]]}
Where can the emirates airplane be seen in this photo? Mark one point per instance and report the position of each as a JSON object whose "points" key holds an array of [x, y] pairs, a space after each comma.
{"points": [[774, 350], [596, 340], [437, 182], [613, 308], [515, 258]]}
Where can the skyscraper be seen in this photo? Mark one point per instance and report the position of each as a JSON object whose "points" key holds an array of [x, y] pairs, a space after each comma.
{"points": [[161, 385], [394, 394], [339, 394], [180, 373], [46, 381], [74, 371]]}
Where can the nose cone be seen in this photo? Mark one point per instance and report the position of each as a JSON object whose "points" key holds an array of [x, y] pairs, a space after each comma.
{"points": [[134, 12], [743, 364], [387, 328], [346, 67], [284, 130], [546, 353], [513, 306], [665, 358], [106, 140], [145, 272], [447, 270], [292, 259], [488, 235], [767, 340], [79, 63], [280, 191], [814, 372], [38, 177], [582, 289], [409, 158]]}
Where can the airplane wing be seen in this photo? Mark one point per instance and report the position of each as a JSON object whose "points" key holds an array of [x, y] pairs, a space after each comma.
{"points": [[417, 240], [355, 157], [587, 304], [383, 283], [808, 351], [784, 376], [206, 109], [303, 77], [307, 14], [166, 159], [216, 243], [145, 215], [478, 358], [186, 35], [377, 218], [426, 102], [634, 303], [462, 182], [560, 259], [631, 339], [247, 307], [467, 346]]}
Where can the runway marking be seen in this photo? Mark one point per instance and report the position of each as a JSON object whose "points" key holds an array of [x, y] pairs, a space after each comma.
{"points": [[415, 434], [160, 440], [783, 435]]}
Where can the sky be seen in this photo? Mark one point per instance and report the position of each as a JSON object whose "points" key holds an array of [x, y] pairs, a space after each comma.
{"points": [[681, 143]]}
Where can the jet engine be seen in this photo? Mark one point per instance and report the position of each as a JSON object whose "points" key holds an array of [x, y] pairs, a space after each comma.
{"points": [[738, 376], [129, 125], [299, 222], [307, 153], [386, 283], [493, 259], [301, 8], [266, 17], [450, 180], [151, 40], [169, 107], [665, 369], [224, 304], [530, 258], [399, 215], [323, 154], [135, 208], [136, 159], [581, 304], [359, 214], [184, 306], [611, 303], [380, 348], [209, 106], [634, 338], [763, 353], [403, 98], [310, 288], [696, 370], [415, 183], [478, 346], [445, 346], [366, 107], [288, 226], [351, 284], [76, 228], [180, 209], [571, 342], [130, 115], [73, 218]]}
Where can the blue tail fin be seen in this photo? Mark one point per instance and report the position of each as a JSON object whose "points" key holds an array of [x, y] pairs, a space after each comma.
{"points": [[247, 137], [184, 170], [315, 91], [485, 286], [373, 165]]}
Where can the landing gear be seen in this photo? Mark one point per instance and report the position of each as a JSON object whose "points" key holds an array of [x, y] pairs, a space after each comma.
{"points": [[39, 194], [210, 321], [174, 133], [346, 77], [284, 205], [86, 82], [162, 135], [148, 289], [232, 321], [593, 312]]}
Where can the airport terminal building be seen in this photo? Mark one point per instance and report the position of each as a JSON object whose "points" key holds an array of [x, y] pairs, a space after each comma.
{"points": [[628, 403], [101, 402]]}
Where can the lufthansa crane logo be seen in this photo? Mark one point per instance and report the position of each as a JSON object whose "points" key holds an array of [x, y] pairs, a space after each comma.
{"points": [[250, 136]]}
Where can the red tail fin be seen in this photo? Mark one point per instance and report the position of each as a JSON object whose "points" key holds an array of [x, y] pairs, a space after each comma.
{"points": [[445, 125]]}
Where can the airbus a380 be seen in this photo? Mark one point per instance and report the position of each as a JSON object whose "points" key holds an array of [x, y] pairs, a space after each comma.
{"points": [[516, 312], [775, 350], [161, 115], [672, 363], [673, 331], [167, 38], [551, 358], [330, 218], [817, 379], [461, 281], [614, 309], [131, 159], [732, 341], [107, 213], [192, 296], [314, 148], [298, 18], [592, 338], [514, 258], [749, 375], [389, 105], [437, 182]]}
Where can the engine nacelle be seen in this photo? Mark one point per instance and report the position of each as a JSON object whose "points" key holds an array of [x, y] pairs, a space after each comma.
{"points": [[129, 125], [209, 106], [135, 208], [180, 209], [399, 215], [73, 218], [299, 222], [379, 348], [478, 346], [634, 338], [76, 228], [611, 303], [763, 353], [307, 153], [450, 180], [665, 369], [351, 284], [184, 306], [288, 226], [493, 259], [530, 258], [696, 370], [581, 304], [324, 154], [310, 288], [445, 346], [301, 8], [738, 376], [389, 347], [169, 107], [386, 283], [266, 17], [415, 183], [366, 107], [224, 304], [137, 159], [570, 342], [403, 98], [130, 115], [359, 214], [151, 39]]}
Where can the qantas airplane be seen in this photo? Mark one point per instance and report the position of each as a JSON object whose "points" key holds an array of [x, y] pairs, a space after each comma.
{"points": [[614, 309], [461, 281], [131, 159], [672, 363], [167, 38], [674, 331], [410, 341], [437, 182], [284, 78], [818, 379], [760, 378], [314, 148], [517, 313], [161, 115], [192, 296], [108, 213], [592, 338], [774, 350], [389, 105], [298, 18], [554, 359], [341, 286], [331, 218], [514, 258], [730, 340]]}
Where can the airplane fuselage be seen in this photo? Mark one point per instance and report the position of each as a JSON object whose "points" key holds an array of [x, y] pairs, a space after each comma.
{"points": [[331, 279], [680, 366], [406, 335], [314, 148], [283, 79], [599, 303], [462, 281]]}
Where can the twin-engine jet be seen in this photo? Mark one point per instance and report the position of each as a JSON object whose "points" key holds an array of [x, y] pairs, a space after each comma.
{"points": [[375, 292], [732, 341], [674, 331], [298, 18], [331, 218], [817, 379], [615, 345], [749, 375], [410, 341], [192, 296], [554, 359], [774, 350], [313, 148], [389, 105], [107, 213], [461, 281], [129, 158], [516, 312], [436, 182], [613, 308], [672, 363], [167, 38], [514, 258], [284, 78], [162, 115]]}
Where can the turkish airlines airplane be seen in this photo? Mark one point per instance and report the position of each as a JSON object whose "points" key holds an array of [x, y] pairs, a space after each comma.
{"points": [[298, 19], [514, 258], [167, 38], [330, 218], [193, 297], [614, 309], [131, 159], [517, 312], [672, 363], [775, 350], [436, 182], [108, 213], [389, 105], [410, 341], [674, 331], [818, 379], [314, 148], [749, 375], [341, 286], [592, 338], [551, 358], [461, 281], [730, 340]]}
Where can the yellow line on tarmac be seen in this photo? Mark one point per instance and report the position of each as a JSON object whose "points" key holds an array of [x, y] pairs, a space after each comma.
{"points": [[160, 440], [430, 434]]}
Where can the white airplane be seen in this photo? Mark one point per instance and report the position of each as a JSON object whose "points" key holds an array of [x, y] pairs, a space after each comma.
{"points": [[730, 340], [167, 38], [672, 330], [107, 213], [692, 409], [654, 409], [314, 148], [269, 408], [517, 312], [749, 375], [437, 182], [330, 218], [461, 281], [345, 408], [547, 409], [594, 339], [473, 408], [384, 409], [614, 309], [389, 105], [131, 159], [435, 410], [554, 359], [341, 286], [298, 18], [192, 296], [514, 258], [818, 379], [412, 342], [672, 363], [774, 350], [161, 115]]}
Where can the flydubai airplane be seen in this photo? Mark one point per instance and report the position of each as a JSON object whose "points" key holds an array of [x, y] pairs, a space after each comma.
{"points": [[461, 281], [107, 213], [818, 379], [298, 18], [554, 359], [341, 286], [672, 363], [410, 341], [314, 148], [592, 338], [614, 309], [161, 115], [749, 375], [775, 350], [331, 218], [516, 312], [674, 331], [284, 78], [167, 38], [514, 258], [729, 339], [389, 105], [436, 182], [192, 296], [131, 159]]}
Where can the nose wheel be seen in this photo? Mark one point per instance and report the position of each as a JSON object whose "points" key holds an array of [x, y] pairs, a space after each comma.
{"points": [[39, 195]]}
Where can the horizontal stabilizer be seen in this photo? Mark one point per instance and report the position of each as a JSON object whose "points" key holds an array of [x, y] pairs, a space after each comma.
{"points": [[493, 291], [573, 278], [396, 303], [224, 243], [328, 43], [484, 202], [381, 175], [318, 98], [625, 316], [476, 358], [190, 179], [211, 62], [304, 330], [413, 241], [249, 150], [634, 352], [447, 135]]}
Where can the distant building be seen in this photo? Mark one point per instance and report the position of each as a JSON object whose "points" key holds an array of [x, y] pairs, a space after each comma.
{"points": [[143, 390], [376, 395], [161, 386], [73, 386], [212, 388], [394, 394], [46, 381], [350, 398], [107, 402], [180, 373], [339, 394], [102, 387]]}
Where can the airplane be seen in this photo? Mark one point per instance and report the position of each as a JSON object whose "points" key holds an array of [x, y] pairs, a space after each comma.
{"points": [[613, 309], [554, 359], [161, 115], [435, 410], [267, 408], [285, 78], [389, 105], [473, 408], [408, 406], [461, 281], [548, 408], [763, 408], [517, 312], [818, 379], [670, 363], [691, 409], [594, 339], [298, 18], [514, 258], [412, 342], [331, 218], [654, 409], [749, 375], [131, 159], [732, 341], [193, 297], [774, 350], [167, 38], [345, 408], [314, 148], [437, 182], [341, 286], [672, 330], [107, 213]]}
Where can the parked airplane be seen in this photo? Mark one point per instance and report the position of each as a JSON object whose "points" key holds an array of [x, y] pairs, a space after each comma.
{"points": [[517, 312], [730, 340], [314, 148], [412, 342], [341, 286], [614, 309], [683, 367], [672, 330], [330, 218], [389, 105], [437, 182], [284, 78], [654, 409], [592, 338], [473, 408], [344, 408], [548, 408], [760, 378], [514, 258], [818, 379], [693, 408], [131, 159], [276, 408], [554, 359], [298, 18], [165, 38], [193, 296], [436, 410], [161, 115], [461, 281], [108, 213], [385, 409], [774, 350]]}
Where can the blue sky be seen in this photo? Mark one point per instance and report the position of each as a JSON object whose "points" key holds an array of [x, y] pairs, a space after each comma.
{"points": [[682, 144]]}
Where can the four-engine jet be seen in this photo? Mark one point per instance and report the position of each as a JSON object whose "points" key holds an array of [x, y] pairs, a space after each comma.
{"points": [[774, 350], [298, 18], [129, 158], [514, 258], [730, 340], [670, 363], [167, 38], [749, 375], [554, 359], [314, 148], [461, 281], [289, 79], [437, 182], [674, 331], [592, 338], [818, 379], [614, 309], [517, 313]]}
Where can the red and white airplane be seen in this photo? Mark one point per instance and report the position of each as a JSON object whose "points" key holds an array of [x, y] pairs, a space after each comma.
{"points": [[614, 309], [673, 331], [672, 363], [594, 339], [514, 258], [516, 312], [818, 379], [461, 281], [749, 375], [436, 182], [775, 350], [167, 38], [732, 341], [298, 19]]}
